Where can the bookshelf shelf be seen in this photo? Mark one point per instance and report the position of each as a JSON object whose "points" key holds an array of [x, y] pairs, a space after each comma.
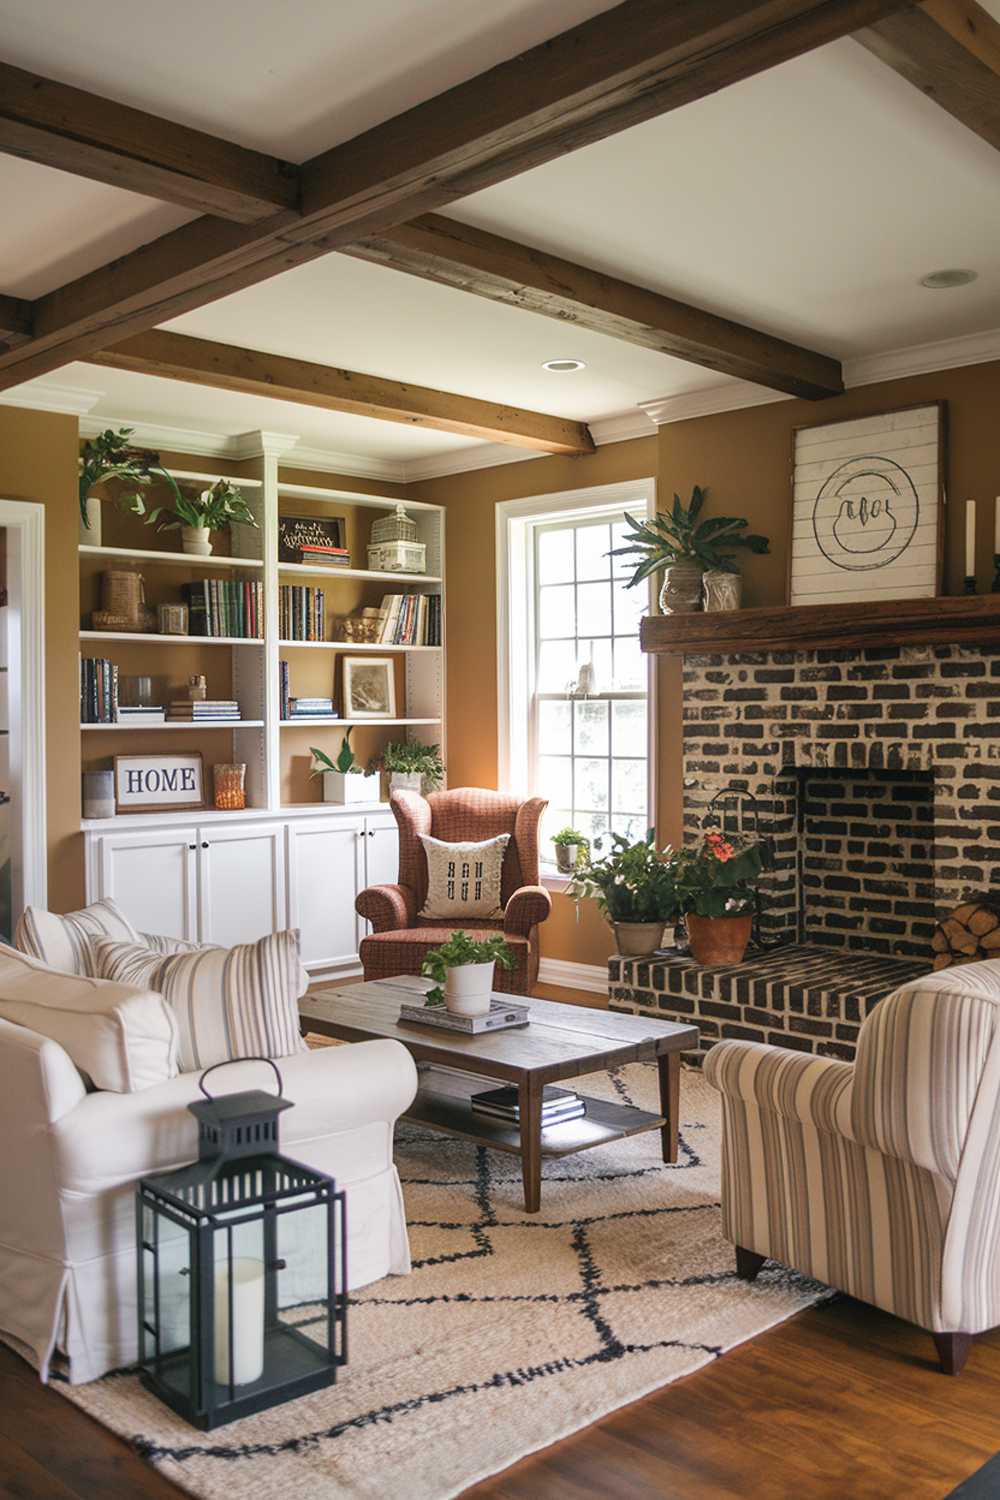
{"points": [[350, 497], [176, 559], [351, 646], [306, 569], [191, 727], [354, 723], [152, 639]]}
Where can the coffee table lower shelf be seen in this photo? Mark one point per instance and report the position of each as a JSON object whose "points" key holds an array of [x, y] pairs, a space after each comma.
{"points": [[442, 1102]]}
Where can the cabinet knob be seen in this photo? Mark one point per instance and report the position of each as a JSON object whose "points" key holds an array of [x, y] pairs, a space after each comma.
{"points": [[204, 844], [192, 846]]}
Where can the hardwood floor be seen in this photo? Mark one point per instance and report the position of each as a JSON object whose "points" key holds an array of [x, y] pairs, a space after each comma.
{"points": [[839, 1403]]}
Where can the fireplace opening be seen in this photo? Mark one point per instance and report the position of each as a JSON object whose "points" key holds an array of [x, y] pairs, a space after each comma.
{"points": [[866, 860]]}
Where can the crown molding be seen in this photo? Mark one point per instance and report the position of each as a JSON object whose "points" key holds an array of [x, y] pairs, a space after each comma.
{"points": [[357, 465], [924, 359], [732, 396], [623, 427], [465, 460], [39, 395], [261, 444]]}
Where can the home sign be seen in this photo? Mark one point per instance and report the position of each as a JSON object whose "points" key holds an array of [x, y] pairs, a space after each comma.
{"points": [[158, 783]]}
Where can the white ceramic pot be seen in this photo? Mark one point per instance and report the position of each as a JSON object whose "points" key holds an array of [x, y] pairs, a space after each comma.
{"points": [[343, 787], [468, 987], [195, 540], [405, 781], [638, 939], [90, 534]]}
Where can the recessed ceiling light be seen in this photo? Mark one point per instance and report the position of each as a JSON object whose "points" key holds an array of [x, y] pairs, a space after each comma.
{"points": [[563, 366], [942, 281]]}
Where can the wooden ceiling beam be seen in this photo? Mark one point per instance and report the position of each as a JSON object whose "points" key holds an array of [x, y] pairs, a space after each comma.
{"points": [[950, 51], [625, 65], [516, 275], [82, 133], [225, 367], [15, 320]]}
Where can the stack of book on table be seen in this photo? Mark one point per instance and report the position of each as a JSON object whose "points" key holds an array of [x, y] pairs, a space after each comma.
{"points": [[311, 708], [204, 710], [558, 1105], [126, 713]]}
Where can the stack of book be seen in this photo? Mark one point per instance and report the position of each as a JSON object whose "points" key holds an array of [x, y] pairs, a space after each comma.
{"points": [[283, 690], [98, 690], [317, 555], [204, 710], [311, 708], [558, 1105], [226, 606], [139, 716], [301, 613], [411, 620]]}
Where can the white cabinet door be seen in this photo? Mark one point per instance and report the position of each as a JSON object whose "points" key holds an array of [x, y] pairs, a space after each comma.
{"points": [[152, 877], [326, 864], [241, 882], [381, 851]]}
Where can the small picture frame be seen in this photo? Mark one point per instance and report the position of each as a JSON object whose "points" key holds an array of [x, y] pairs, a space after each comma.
{"points": [[159, 783], [369, 687], [296, 532]]}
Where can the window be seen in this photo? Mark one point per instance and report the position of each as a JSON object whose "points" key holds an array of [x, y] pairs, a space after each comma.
{"points": [[574, 683]]}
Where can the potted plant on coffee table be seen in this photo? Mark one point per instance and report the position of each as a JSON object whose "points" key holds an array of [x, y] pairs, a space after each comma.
{"points": [[462, 970], [411, 766], [571, 849], [681, 546], [716, 885], [633, 885], [344, 780]]}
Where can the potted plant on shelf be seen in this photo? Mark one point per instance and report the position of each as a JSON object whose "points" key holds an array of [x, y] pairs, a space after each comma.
{"points": [[109, 455], [633, 885], [196, 517], [571, 849], [411, 766], [344, 780], [716, 886], [465, 968], [687, 551]]}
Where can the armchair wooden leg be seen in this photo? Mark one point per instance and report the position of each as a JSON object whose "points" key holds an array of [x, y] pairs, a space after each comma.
{"points": [[953, 1351], [748, 1263]]}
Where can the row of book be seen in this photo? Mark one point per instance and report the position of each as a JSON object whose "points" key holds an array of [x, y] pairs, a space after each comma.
{"points": [[301, 708], [318, 555], [558, 1105], [98, 690], [226, 606], [204, 710], [411, 620], [301, 613]]}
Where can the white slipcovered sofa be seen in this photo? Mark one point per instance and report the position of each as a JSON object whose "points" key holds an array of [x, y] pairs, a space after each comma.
{"points": [[71, 1158]]}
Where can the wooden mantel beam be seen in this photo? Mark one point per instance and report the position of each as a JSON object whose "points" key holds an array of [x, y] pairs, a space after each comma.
{"points": [[625, 65], [443, 250], [227, 368], [78, 132], [950, 50]]}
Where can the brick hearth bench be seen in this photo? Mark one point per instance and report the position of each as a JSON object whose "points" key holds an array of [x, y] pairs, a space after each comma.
{"points": [[801, 995]]}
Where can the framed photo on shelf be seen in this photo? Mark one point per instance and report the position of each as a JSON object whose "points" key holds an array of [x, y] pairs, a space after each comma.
{"points": [[318, 533], [369, 687], [159, 783], [868, 507]]}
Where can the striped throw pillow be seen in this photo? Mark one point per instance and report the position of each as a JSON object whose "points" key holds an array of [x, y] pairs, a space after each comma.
{"points": [[228, 1002], [463, 880], [68, 942]]}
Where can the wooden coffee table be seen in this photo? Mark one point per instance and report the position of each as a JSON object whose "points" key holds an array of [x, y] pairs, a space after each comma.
{"points": [[561, 1042]]}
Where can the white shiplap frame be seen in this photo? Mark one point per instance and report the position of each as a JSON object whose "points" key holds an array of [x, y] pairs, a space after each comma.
{"points": [[25, 526], [867, 508], [515, 611]]}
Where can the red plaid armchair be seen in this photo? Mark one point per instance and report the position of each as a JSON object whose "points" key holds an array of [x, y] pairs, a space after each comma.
{"points": [[401, 937]]}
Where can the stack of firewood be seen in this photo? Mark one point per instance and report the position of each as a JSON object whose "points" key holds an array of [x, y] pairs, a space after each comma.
{"points": [[970, 934]]}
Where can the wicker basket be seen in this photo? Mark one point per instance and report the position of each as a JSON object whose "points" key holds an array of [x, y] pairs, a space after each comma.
{"points": [[123, 603]]}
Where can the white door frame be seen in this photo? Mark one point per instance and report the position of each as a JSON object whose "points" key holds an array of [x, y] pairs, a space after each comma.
{"points": [[25, 525]]}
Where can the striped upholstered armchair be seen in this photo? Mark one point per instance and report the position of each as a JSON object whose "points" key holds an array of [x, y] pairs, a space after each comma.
{"points": [[880, 1177], [401, 936]]}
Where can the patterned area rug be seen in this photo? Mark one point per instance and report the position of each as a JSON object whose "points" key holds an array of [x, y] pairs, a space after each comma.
{"points": [[512, 1331]]}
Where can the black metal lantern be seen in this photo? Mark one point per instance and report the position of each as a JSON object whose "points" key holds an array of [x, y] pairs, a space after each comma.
{"points": [[242, 1269]]}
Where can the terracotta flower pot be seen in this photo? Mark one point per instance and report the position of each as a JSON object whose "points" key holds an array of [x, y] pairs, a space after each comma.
{"points": [[718, 940]]}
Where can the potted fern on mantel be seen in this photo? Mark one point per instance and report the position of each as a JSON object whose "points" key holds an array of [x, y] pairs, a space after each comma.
{"points": [[688, 551]]}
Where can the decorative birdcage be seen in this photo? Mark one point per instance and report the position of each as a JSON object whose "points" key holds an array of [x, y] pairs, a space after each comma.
{"points": [[393, 547], [397, 527]]}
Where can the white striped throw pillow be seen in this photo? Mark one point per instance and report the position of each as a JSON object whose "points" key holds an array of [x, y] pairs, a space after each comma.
{"points": [[68, 942], [228, 1002]]}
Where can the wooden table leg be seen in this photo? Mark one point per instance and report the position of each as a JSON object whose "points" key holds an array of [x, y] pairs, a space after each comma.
{"points": [[669, 1065], [530, 1105]]}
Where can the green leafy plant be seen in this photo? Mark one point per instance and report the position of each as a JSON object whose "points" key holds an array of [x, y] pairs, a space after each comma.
{"points": [[633, 882], [411, 758], [217, 507], [461, 949], [110, 455], [718, 877], [678, 535], [346, 762], [570, 836]]}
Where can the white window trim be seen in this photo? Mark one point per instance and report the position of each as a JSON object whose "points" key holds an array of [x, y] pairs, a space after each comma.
{"points": [[26, 695], [514, 609]]}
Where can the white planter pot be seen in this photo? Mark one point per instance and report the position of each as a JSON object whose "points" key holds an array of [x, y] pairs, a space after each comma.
{"points": [[342, 787], [468, 987], [90, 535], [195, 540], [405, 781]]}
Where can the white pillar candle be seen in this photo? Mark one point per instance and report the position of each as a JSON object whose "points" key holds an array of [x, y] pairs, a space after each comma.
{"points": [[970, 538], [996, 526], [248, 1320]]}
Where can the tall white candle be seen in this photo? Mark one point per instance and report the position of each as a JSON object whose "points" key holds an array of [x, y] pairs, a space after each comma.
{"points": [[996, 526], [970, 538], [248, 1320]]}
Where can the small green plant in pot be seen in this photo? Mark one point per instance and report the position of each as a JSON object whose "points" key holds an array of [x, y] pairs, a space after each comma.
{"points": [[716, 884], [110, 455], [633, 885], [411, 766], [344, 779], [571, 849], [197, 516], [684, 548], [462, 970]]}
